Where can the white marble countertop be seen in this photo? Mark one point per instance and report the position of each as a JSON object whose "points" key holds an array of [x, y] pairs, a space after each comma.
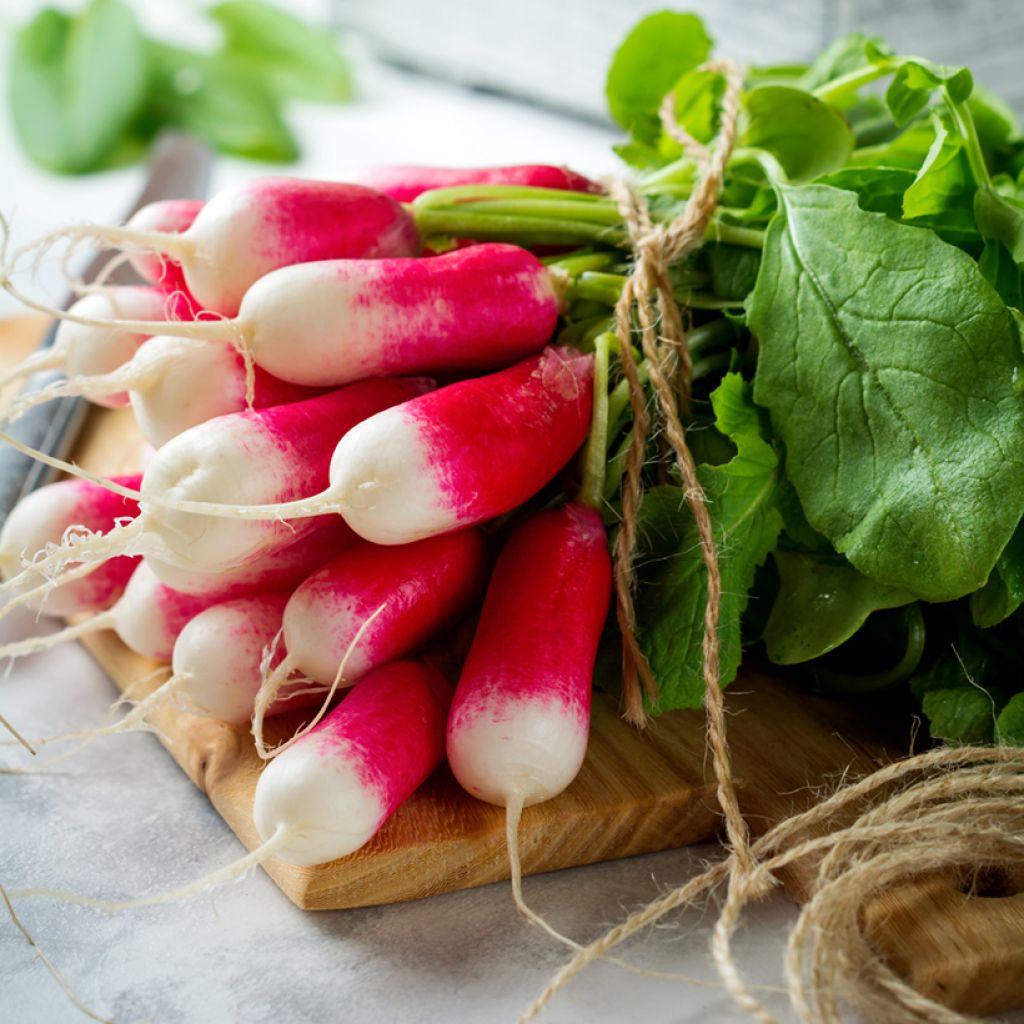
{"points": [[121, 820]]}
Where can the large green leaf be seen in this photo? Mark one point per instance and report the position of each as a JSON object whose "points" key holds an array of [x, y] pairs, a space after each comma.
{"points": [[916, 79], [892, 373], [808, 137], [76, 84], [742, 498], [822, 602], [658, 51]]}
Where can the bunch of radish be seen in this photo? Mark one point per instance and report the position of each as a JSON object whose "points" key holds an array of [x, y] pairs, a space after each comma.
{"points": [[317, 510]]}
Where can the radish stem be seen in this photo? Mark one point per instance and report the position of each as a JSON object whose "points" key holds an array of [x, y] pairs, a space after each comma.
{"points": [[595, 453]]}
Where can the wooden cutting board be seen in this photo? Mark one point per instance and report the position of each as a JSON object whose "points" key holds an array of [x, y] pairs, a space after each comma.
{"points": [[637, 793]]}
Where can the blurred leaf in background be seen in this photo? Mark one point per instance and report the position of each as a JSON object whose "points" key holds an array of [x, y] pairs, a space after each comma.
{"points": [[88, 90]]}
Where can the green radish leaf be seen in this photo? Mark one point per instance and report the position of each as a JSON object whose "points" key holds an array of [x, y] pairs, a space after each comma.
{"points": [[221, 101], [892, 373], [914, 82], [294, 59], [942, 194], [808, 137], [879, 189], [822, 602], [733, 270], [658, 51], [1001, 218], [76, 84], [965, 714], [907, 150], [844, 55], [1003, 593], [1010, 723], [742, 496], [1002, 272]]}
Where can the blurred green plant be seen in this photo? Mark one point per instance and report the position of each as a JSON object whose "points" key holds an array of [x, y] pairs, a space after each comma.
{"points": [[89, 91]]}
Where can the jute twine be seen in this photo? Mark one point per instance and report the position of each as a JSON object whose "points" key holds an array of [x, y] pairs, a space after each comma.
{"points": [[939, 811]]}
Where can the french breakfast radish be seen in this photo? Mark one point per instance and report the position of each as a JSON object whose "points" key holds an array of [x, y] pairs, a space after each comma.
{"points": [[331, 791], [337, 321], [465, 453], [81, 349], [372, 605], [245, 232], [42, 518], [404, 182], [518, 726]]}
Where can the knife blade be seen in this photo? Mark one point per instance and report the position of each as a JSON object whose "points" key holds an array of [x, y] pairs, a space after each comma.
{"points": [[179, 168]]}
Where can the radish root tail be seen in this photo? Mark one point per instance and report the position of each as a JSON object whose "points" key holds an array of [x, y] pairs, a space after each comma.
{"points": [[228, 873], [19, 648], [50, 966]]}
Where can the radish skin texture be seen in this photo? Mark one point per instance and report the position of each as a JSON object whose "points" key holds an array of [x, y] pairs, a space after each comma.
{"points": [[479, 308], [423, 587], [404, 182], [465, 453], [280, 568], [217, 657], [335, 787], [42, 517], [182, 383], [90, 351], [258, 457], [243, 233], [172, 216], [518, 725]]}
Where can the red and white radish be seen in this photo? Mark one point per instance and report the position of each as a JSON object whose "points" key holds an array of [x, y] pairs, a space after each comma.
{"points": [[86, 350], [338, 321], [331, 791], [465, 453], [404, 182], [519, 721], [246, 232], [372, 605], [42, 518], [518, 726]]}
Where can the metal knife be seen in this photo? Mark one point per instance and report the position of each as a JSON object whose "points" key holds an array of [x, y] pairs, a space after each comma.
{"points": [[179, 168]]}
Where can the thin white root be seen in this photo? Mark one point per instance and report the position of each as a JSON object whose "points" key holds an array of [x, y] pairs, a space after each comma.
{"points": [[43, 590], [269, 689], [21, 741], [131, 376], [49, 964], [19, 648], [46, 359], [99, 282], [169, 243], [236, 869], [301, 508], [86, 551], [513, 816], [132, 721]]}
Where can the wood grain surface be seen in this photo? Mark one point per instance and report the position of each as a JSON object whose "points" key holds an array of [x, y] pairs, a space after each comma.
{"points": [[637, 793]]}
